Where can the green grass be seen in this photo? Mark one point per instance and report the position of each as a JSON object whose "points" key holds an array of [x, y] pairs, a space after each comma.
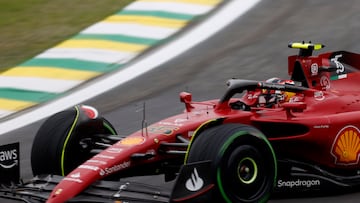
{"points": [[28, 27]]}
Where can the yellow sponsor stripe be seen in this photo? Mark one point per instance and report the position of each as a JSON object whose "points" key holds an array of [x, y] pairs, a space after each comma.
{"points": [[14, 105], [102, 44], [50, 72], [201, 2], [144, 20]]}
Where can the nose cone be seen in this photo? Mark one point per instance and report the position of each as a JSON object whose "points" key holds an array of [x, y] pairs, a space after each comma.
{"points": [[74, 183]]}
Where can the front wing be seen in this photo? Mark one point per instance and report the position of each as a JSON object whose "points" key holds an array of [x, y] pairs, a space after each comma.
{"points": [[39, 188]]}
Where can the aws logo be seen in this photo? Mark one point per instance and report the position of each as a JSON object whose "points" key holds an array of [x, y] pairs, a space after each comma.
{"points": [[9, 163], [346, 146], [8, 156]]}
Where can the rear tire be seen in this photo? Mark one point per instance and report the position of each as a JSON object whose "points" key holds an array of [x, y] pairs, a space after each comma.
{"points": [[60, 144], [244, 166]]}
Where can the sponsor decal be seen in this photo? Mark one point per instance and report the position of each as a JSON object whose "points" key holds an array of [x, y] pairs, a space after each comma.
{"points": [[9, 163], [9, 156], [298, 183], [58, 191], [90, 111], [274, 86], [340, 67], [115, 168], [321, 126], [195, 182], [343, 76], [346, 146], [104, 156], [75, 177], [96, 161], [177, 123], [180, 120], [15, 163], [339, 77], [325, 82], [93, 168], [314, 69], [114, 150], [132, 141], [319, 95], [171, 124], [165, 130], [297, 98], [252, 96]]}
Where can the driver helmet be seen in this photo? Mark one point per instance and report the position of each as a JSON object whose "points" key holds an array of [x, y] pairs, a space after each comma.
{"points": [[272, 97]]}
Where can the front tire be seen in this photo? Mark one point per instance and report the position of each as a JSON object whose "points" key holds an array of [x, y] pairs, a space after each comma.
{"points": [[64, 141], [244, 165]]}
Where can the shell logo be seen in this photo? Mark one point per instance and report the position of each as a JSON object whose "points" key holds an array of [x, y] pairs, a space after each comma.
{"points": [[132, 141], [346, 146]]}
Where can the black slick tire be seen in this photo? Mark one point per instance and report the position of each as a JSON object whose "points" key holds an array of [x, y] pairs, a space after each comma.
{"points": [[244, 166], [57, 147]]}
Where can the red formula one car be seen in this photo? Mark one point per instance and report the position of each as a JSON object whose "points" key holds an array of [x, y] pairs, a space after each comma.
{"points": [[278, 135]]}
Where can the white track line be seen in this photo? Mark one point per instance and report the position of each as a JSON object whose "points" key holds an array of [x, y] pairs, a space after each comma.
{"points": [[223, 17], [176, 7]]}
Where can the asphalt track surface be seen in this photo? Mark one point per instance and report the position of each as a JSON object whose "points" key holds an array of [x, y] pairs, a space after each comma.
{"points": [[253, 47]]}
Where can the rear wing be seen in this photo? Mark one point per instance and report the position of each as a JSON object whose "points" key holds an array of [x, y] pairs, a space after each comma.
{"points": [[309, 69], [305, 49]]}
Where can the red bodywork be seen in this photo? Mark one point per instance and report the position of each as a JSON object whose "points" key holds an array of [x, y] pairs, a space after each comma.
{"points": [[319, 124]]}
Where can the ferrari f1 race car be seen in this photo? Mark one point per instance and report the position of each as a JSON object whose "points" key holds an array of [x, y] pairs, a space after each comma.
{"points": [[260, 138]]}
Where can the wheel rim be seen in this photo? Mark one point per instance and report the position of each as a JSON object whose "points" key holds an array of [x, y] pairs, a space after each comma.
{"points": [[247, 170], [246, 177]]}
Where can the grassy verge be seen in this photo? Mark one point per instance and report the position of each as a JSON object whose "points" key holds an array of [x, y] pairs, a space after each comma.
{"points": [[28, 27]]}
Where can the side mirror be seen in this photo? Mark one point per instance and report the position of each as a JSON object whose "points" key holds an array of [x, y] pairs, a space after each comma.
{"points": [[186, 98], [293, 107]]}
